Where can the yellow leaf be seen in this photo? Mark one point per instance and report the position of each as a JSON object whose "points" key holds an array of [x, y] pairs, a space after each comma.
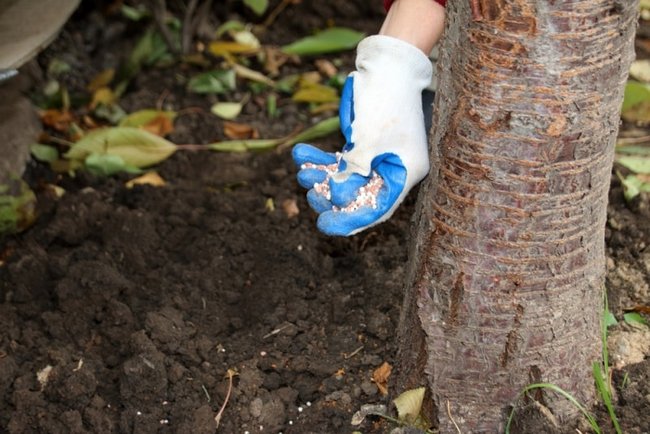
{"points": [[103, 95], [103, 79], [409, 404], [316, 93], [149, 178], [221, 48]]}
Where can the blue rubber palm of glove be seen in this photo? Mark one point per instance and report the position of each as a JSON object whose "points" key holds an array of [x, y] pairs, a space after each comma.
{"points": [[337, 216]]}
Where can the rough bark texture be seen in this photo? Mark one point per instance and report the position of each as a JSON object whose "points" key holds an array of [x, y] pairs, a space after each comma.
{"points": [[507, 267]]}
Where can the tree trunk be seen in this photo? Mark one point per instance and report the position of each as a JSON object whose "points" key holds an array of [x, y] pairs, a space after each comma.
{"points": [[507, 265]]}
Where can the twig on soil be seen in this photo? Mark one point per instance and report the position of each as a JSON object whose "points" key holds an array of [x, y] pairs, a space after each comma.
{"points": [[275, 331], [276, 12], [207, 395], [353, 353], [230, 373], [451, 417]]}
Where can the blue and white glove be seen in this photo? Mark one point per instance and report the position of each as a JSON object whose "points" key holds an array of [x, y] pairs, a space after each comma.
{"points": [[386, 151]]}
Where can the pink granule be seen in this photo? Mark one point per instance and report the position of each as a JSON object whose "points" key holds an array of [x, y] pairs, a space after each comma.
{"points": [[367, 194]]}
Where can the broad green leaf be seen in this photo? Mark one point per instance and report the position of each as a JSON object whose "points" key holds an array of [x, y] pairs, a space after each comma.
{"points": [[135, 146], [218, 81], [257, 6], [143, 117], [633, 185], [327, 41], [609, 319], [634, 318], [409, 404], [44, 152], [635, 93], [227, 110], [246, 37], [107, 165], [636, 163]]}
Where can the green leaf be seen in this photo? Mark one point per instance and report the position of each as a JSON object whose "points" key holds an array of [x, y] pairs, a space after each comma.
{"points": [[605, 393], [137, 147], [228, 26], [143, 117], [327, 41], [44, 153], [636, 163], [218, 81], [321, 129], [257, 6], [409, 404], [17, 207], [633, 150], [609, 319], [134, 13], [634, 318], [635, 93], [107, 165], [245, 145], [633, 186], [226, 110]]}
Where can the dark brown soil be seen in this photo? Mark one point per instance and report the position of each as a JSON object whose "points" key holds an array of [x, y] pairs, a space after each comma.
{"points": [[135, 303]]}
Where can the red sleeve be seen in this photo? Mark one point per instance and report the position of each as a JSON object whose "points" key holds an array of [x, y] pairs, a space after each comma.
{"points": [[387, 3]]}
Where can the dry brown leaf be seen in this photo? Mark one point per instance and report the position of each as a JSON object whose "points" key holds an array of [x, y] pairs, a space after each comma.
{"points": [[59, 120], [161, 125], [149, 178], [290, 208], [234, 130], [640, 308], [326, 68], [380, 377], [274, 58]]}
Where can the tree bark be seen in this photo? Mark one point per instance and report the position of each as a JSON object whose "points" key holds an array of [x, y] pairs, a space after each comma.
{"points": [[507, 265]]}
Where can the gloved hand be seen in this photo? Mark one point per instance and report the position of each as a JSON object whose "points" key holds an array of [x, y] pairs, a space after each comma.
{"points": [[385, 154]]}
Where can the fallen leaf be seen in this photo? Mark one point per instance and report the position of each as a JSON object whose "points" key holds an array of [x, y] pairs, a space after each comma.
{"points": [[103, 95], [136, 147], [218, 81], [639, 309], [103, 79], [326, 67], [409, 404], [274, 58], [380, 377], [149, 178], [269, 205], [317, 93], [107, 164], [222, 48], [327, 41], [257, 6], [252, 75], [234, 130], [226, 110], [59, 120], [158, 122], [290, 208], [44, 153]]}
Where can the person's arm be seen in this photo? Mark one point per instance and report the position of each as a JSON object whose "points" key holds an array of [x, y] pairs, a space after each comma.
{"points": [[386, 153], [418, 22]]}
